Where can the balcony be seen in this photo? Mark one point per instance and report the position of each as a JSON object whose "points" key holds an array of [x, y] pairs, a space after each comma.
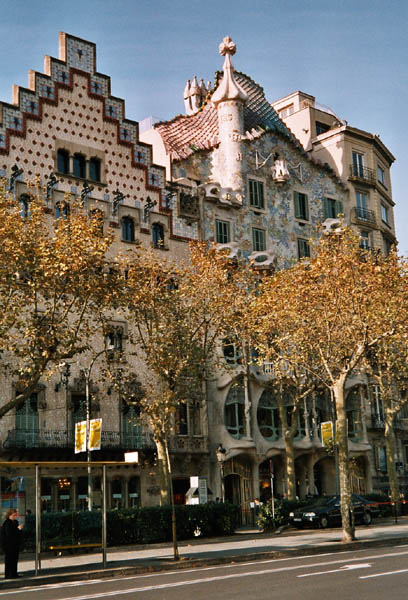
{"points": [[362, 174], [24, 438], [195, 444], [363, 216]]}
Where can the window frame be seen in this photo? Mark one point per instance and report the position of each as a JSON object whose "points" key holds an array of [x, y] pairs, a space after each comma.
{"points": [[64, 155], [332, 208], [382, 175], [79, 165], [128, 229], [158, 240], [256, 193], [256, 246], [385, 212], [302, 242], [220, 234], [301, 205]]}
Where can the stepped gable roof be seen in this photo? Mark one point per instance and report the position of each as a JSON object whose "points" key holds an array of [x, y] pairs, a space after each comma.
{"points": [[183, 135]]}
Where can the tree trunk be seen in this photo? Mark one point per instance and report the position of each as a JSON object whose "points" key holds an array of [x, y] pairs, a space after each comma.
{"points": [[173, 508], [344, 465], [163, 472], [290, 466], [389, 435]]}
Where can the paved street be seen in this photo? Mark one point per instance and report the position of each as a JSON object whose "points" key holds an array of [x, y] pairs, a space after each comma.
{"points": [[380, 573], [136, 563]]}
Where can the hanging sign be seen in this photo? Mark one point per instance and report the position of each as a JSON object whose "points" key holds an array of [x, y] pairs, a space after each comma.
{"points": [[327, 433], [95, 434], [80, 437]]}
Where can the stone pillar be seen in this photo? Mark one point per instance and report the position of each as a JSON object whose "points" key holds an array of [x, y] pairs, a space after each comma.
{"points": [[363, 416], [125, 492], [74, 492], [255, 479]]}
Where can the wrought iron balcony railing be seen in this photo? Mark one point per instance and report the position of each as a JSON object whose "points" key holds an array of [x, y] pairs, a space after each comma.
{"points": [[363, 174], [25, 438], [364, 216]]}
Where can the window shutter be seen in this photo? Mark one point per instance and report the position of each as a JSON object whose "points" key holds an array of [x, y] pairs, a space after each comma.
{"points": [[297, 205], [326, 209], [339, 207]]}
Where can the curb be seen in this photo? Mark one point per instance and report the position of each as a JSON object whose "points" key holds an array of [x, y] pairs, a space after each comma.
{"points": [[188, 563]]}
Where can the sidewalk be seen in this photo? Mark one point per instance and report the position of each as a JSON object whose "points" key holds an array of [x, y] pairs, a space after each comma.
{"points": [[243, 546]]}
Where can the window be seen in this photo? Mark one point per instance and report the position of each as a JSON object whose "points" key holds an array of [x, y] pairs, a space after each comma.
{"points": [[286, 111], [79, 165], [131, 426], [62, 210], [95, 169], [332, 208], [301, 206], [114, 339], [27, 422], [128, 229], [231, 351], [222, 232], [63, 161], [235, 411], [353, 413], [268, 416], [158, 235], [321, 128], [258, 240], [361, 206], [78, 403], [358, 164], [385, 216], [364, 240], [24, 206], [256, 194], [381, 175], [381, 458], [182, 419], [387, 245], [303, 248]]}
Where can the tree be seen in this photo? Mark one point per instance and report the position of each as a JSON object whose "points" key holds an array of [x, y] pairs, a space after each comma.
{"points": [[174, 316], [387, 366], [53, 277], [330, 312]]}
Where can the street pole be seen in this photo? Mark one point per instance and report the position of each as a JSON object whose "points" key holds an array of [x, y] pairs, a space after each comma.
{"points": [[87, 373]]}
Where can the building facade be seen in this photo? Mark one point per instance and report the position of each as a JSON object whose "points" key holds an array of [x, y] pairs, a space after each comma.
{"points": [[233, 171]]}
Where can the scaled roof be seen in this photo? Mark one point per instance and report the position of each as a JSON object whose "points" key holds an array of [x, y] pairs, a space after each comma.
{"points": [[185, 134]]}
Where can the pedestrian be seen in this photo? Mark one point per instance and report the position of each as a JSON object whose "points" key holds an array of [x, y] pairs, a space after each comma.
{"points": [[11, 537]]}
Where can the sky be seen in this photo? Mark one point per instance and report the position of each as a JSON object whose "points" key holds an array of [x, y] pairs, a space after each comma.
{"points": [[352, 55]]}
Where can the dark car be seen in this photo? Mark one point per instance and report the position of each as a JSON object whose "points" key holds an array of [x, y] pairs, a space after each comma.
{"points": [[325, 512]]}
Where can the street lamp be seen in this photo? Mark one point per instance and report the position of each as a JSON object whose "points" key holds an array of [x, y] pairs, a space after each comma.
{"points": [[220, 454]]}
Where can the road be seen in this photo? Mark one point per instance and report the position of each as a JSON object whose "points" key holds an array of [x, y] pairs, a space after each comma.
{"points": [[375, 574]]}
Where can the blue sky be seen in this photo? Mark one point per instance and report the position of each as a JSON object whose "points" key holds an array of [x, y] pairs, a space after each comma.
{"points": [[351, 55]]}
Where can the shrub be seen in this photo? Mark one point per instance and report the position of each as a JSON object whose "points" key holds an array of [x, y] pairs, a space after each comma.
{"points": [[144, 525]]}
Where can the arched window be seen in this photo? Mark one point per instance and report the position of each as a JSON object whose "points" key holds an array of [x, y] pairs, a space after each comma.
{"points": [[24, 205], [268, 416], [79, 165], [95, 169], [128, 229], [63, 161], [158, 235], [62, 210], [234, 416]]}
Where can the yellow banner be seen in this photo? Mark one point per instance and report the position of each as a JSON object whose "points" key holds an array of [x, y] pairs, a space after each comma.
{"points": [[80, 437], [327, 432], [95, 434]]}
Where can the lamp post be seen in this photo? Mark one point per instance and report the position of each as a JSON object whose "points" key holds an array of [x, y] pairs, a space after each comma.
{"points": [[220, 454], [65, 374]]}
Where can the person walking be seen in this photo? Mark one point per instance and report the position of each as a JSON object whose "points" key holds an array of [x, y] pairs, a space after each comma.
{"points": [[10, 537]]}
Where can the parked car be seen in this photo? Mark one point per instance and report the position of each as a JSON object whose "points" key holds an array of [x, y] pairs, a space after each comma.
{"points": [[325, 512]]}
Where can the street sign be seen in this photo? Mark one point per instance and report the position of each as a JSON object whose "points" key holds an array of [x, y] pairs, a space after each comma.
{"points": [[132, 457]]}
